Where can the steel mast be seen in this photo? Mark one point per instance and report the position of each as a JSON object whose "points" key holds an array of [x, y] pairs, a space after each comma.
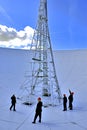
{"points": [[41, 79], [43, 66]]}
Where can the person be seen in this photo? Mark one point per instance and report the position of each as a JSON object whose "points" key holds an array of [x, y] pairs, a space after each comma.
{"points": [[64, 102], [13, 102], [38, 110], [70, 100]]}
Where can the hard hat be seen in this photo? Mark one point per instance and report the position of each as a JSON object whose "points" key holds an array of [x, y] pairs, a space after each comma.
{"points": [[39, 99], [72, 92], [64, 94]]}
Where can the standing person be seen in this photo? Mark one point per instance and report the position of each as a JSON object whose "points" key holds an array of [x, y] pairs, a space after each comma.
{"points": [[70, 100], [38, 110], [13, 102], [64, 102]]}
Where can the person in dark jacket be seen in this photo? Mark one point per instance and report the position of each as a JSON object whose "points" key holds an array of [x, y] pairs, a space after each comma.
{"points": [[38, 110], [13, 102], [64, 102], [70, 100]]}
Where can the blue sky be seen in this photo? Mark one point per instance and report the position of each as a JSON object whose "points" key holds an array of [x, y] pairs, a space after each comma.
{"points": [[67, 21]]}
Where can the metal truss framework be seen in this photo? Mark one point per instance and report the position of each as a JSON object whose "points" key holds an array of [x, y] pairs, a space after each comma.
{"points": [[43, 67]]}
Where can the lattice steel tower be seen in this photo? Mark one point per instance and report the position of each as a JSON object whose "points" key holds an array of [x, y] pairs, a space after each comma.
{"points": [[42, 79], [43, 68]]}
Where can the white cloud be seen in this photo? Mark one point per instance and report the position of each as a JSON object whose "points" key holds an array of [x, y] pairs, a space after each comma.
{"points": [[10, 37]]}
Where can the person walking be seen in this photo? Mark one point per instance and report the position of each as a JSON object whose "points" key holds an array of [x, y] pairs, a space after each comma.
{"points": [[38, 110], [70, 98], [64, 102], [13, 102]]}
